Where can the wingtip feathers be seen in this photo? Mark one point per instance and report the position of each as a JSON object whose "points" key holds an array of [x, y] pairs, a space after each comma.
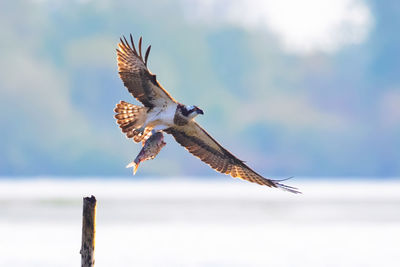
{"points": [[140, 48], [287, 188], [124, 47]]}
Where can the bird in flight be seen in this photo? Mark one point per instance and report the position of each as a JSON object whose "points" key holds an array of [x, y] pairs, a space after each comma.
{"points": [[161, 112]]}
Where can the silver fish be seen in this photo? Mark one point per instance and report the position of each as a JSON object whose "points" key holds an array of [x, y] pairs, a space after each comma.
{"points": [[150, 149]]}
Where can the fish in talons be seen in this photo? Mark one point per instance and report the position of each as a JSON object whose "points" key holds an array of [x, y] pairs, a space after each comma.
{"points": [[150, 150]]}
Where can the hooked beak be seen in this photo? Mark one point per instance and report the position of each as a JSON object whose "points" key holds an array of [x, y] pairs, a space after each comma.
{"points": [[199, 111]]}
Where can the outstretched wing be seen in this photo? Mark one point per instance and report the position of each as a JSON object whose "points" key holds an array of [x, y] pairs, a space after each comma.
{"points": [[141, 83], [198, 142]]}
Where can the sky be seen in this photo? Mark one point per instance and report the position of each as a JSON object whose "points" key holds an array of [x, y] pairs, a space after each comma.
{"points": [[308, 88]]}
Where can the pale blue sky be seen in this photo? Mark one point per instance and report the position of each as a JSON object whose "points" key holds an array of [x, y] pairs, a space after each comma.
{"points": [[309, 93]]}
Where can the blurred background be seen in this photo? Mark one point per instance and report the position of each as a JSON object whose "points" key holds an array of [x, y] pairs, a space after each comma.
{"points": [[308, 88]]}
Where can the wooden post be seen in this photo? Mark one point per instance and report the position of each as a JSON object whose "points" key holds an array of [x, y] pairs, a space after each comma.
{"points": [[88, 231]]}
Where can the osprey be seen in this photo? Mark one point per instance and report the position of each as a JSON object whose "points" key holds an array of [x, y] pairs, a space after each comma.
{"points": [[161, 112]]}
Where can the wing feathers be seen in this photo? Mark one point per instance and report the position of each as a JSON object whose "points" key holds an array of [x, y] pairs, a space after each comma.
{"points": [[132, 43], [136, 77], [140, 47], [146, 56], [198, 142]]}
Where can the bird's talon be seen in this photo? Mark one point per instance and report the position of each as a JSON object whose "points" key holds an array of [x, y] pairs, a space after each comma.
{"points": [[140, 131]]}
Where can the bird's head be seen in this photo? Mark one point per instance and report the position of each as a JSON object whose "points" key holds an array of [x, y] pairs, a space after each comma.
{"points": [[191, 111]]}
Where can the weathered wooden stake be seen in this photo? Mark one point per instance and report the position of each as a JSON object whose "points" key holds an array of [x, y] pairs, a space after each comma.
{"points": [[88, 231]]}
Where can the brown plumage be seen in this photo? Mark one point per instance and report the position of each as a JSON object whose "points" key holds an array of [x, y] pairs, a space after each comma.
{"points": [[172, 117], [131, 117], [141, 83], [198, 142]]}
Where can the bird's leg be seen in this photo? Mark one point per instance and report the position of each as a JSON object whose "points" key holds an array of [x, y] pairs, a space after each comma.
{"points": [[159, 128], [140, 131]]}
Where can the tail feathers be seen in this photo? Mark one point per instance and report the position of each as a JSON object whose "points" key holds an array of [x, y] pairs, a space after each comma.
{"points": [[146, 135], [130, 118], [134, 165]]}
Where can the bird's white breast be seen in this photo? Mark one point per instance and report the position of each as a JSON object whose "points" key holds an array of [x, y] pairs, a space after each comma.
{"points": [[161, 117]]}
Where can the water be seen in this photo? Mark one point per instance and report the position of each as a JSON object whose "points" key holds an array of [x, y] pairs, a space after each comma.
{"points": [[182, 222]]}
